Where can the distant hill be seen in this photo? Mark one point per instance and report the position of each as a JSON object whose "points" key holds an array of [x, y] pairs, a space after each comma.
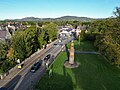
{"points": [[64, 18], [72, 18]]}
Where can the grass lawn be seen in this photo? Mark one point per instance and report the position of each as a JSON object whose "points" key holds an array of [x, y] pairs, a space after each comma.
{"points": [[94, 73], [84, 46]]}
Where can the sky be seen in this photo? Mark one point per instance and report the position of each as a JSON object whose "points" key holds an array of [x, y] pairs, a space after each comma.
{"points": [[16, 9]]}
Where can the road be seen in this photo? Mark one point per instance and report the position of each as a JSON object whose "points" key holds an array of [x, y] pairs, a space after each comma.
{"points": [[9, 79], [25, 80]]}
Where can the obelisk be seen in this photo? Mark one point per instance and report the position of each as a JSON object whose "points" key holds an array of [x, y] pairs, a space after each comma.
{"points": [[71, 63], [71, 57]]}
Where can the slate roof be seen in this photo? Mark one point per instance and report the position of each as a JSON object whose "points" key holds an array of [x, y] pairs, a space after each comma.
{"points": [[3, 33]]}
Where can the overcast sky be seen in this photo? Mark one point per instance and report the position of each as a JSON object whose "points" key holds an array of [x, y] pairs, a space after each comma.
{"points": [[12, 9]]}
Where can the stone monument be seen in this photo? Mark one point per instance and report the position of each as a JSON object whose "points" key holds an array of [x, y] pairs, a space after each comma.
{"points": [[71, 63], [71, 57]]}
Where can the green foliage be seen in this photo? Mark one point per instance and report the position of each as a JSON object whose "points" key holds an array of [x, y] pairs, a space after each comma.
{"points": [[25, 23], [25, 42], [108, 42], [3, 50], [1, 71], [18, 44], [51, 31], [75, 24], [117, 12], [3, 55], [109, 48], [7, 65], [43, 37], [82, 35], [90, 36]]}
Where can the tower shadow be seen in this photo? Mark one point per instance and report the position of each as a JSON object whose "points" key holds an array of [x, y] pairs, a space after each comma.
{"points": [[64, 71], [67, 51]]}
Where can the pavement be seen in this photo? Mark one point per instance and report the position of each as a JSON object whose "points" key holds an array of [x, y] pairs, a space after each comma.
{"points": [[87, 52], [79, 52]]}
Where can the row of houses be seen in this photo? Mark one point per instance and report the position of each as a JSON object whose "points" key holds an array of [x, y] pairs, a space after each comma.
{"points": [[69, 30], [8, 30]]}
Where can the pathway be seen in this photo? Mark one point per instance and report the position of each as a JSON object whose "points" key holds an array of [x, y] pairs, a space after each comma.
{"points": [[85, 52]]}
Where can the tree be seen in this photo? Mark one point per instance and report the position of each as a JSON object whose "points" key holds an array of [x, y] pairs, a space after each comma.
{"points": [[108, 41], [82, 35], [76, 24], [18, 44], [25, 42], [41, 37], [51, 31], [117, 12], [3, 51]]}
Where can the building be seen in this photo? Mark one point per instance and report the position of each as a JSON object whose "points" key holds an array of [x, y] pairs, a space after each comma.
{"points": [[78, 30], [5, 35]]}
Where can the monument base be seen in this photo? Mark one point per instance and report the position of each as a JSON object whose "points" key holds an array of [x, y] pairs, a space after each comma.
{"points": [[68, 65]]}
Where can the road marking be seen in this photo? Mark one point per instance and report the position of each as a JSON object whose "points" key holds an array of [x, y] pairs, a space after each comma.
{"points": [[19, 82]]}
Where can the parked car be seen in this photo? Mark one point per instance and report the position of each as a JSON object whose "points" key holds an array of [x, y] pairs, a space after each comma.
{"points": [[36, 66], [55, 44], [47, 57], [3, 88]]}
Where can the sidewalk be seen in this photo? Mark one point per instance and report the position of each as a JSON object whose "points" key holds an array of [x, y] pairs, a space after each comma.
{"points": [[15, 71]]}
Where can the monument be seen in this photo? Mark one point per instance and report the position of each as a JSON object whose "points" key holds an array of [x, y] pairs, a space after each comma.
{"points": [[71, 57], [71, 63]]}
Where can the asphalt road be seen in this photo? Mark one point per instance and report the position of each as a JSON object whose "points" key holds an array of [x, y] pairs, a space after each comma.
{"points": [[25, 80], [30, 79]]}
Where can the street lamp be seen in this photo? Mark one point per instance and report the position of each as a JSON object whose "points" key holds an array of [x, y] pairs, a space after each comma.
{"points": [[79, 39], [19, 65]]}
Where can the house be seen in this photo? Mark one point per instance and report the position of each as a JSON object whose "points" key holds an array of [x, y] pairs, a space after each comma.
{"points": [[65, 33], [5, 35], [0, 28], [68, 26], [78, 30]]}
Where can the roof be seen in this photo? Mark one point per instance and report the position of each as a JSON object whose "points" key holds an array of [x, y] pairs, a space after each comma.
{"points": [[3, 33]]}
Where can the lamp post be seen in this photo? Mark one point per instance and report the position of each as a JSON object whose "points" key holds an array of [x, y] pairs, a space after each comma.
{"points": [[79, 39], [19, 65]]}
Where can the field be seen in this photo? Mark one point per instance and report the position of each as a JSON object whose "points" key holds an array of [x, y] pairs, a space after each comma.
{"points": [[94, 73]]}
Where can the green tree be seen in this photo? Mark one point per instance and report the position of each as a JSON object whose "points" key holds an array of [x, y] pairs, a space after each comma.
{"points": [[41, 37], [51, 31], [25, 42], [3, 50], [82, 35], [117, 12]]}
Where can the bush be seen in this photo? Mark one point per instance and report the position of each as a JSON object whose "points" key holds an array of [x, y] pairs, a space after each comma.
{"points": [[7, 65], [91, 36], [1, 70]]}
